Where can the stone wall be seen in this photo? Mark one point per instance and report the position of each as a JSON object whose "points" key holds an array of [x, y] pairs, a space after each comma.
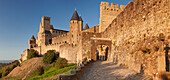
{"points": [[65, 38], [86, 42], [24, 55], [137, 29], [69, 51], [108, 13], [94, 29]]}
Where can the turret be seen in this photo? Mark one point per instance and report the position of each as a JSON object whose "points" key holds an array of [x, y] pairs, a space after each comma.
{"points": [[43, 33], [76, 26], [32, 42], [108, 14], [86, 27], [80, 23]]}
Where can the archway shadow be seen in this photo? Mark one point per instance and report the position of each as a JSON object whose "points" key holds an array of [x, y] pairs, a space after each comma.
{"points": [[167, 48]]}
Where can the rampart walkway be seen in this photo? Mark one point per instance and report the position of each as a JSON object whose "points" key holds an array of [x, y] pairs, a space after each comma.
{"points": [[104, 70]]}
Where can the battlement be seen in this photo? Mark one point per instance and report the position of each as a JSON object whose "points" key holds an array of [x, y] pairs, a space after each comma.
{"points": [[108, 13], [113, 5], [104, 3]]}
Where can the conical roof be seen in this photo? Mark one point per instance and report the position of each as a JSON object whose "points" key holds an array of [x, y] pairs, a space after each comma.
{"points": [[80, 19], [75, 16], [32, 37], [86, 27]]}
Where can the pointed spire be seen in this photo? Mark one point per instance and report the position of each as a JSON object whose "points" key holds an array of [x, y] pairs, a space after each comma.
{"points": [[80, 19], [75, 16], [86, 26], [32, 37]]}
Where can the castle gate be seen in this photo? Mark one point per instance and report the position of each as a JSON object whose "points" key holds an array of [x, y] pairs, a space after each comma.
{"points": [[100, 41]]}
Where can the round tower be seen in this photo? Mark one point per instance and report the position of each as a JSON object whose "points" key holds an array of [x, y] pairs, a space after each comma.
{"points": [[76, 25]]}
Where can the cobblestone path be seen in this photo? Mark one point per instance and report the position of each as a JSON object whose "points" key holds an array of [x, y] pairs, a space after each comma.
{"points": [[104, 70]]}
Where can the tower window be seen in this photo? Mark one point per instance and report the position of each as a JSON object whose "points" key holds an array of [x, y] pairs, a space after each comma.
{"points": [[50, 41]]}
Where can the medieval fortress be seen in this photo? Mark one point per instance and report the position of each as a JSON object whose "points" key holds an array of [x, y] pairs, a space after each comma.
{"points": [[65, 42], [125, 30]]}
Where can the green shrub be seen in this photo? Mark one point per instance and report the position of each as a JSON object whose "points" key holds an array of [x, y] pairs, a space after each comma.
{"points": [[85, 59], [49, 57], [6, 71], [40, 70], [32, 53], [61, 63]]}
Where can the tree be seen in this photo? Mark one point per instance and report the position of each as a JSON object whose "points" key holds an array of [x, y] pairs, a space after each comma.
{"points": [[40, 70], [49, 57], [61, 63], [32, 53], [6, 71]]}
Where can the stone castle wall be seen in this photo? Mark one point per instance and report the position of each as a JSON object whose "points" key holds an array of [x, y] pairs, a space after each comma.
{"points": [[65, 38], [137, 28], [69, 51], [108, 13], [86, 43], [94, 29]]}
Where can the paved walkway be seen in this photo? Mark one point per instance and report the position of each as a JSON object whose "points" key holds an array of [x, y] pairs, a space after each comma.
{"points": [[104, 70]]}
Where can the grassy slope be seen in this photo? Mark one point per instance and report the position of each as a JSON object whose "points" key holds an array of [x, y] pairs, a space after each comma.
{"points": [[27, 70], [51, 71]]}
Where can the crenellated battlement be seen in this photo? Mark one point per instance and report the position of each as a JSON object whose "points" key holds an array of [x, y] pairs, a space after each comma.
{"points": [[108, 13], [112, 7]]}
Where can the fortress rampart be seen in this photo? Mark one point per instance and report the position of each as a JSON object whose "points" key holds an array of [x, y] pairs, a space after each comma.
{"points": [[108, 13], [139, 27], [65, 38]]}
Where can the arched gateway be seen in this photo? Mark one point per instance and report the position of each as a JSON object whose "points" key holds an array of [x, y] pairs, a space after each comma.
{"points": [[100, 41]]}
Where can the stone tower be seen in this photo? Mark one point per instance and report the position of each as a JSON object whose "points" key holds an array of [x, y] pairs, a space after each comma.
{"points": [[108, 14], [44, 34], [76, 26], [32, 42]]}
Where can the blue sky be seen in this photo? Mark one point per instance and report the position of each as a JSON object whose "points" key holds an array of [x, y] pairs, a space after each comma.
{"points": [[20, 19]]}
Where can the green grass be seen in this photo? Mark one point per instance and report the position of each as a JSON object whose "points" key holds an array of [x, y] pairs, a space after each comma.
{"points": [[50, 71]]}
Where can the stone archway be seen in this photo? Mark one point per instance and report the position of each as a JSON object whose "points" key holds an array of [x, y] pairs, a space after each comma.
{"points": [[100, 41]]}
